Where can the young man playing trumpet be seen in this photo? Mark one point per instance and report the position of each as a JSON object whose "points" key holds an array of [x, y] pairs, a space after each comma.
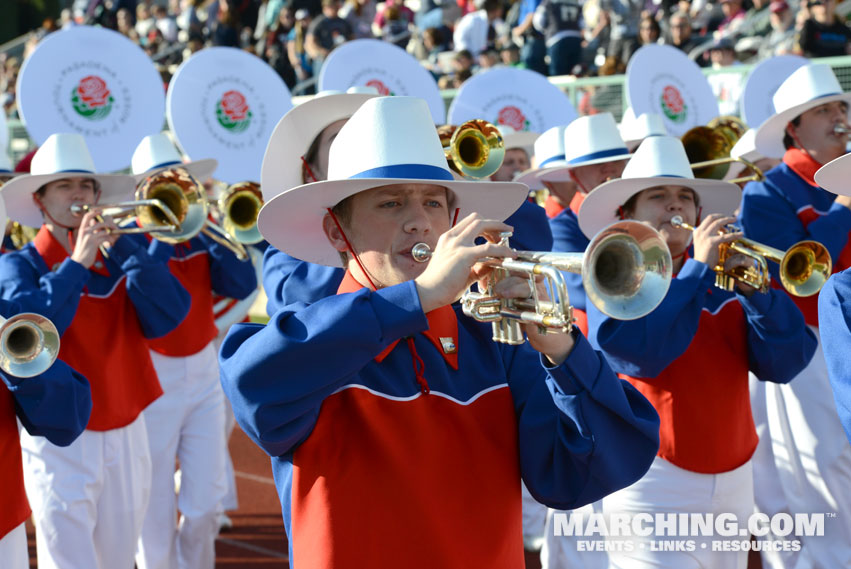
{"points": [[90, 498], [691, 356], [398, 429]]}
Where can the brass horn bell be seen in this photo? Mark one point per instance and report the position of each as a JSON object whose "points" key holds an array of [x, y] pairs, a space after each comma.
{"points": [[475, 149]]}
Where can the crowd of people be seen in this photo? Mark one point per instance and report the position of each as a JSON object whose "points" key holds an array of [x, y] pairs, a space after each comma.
{"points": [[456, 38]]}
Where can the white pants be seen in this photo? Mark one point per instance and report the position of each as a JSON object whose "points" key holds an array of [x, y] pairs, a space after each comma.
{"points": [[668, 489], [231, 500], [812, 460], [186, 423], [562, 551], [534, 519], [89, 498], [13, 549]]}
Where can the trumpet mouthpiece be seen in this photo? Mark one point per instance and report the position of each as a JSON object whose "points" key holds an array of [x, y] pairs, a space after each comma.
{"points": [[421, 252]]}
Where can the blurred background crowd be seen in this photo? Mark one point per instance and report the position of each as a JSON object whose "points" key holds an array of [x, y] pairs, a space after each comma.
{"points": [[454, 39]]}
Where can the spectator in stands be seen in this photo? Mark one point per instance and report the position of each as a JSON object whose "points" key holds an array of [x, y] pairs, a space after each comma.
{"points": [[510, 56], [225, 28], [326, 32], [727, 87], [649, 32], [757, 20], [381, 18], [125, 24], [144, 21], [680, 31], [734, 17], [533, 54], [781, 40], [164, 23], [823, 33], [488, 59], [296, 50], [475, 31], [623, 30], [396, 27], [359, 14], [561, 23], [187, 19]]}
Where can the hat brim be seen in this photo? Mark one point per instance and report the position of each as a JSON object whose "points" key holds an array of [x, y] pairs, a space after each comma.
{"points": [[769, 136], [600, 207], [295, 132], [200, 169], [17, 193], [523, 139], [535, 177], [292, 220], [835, 176]]}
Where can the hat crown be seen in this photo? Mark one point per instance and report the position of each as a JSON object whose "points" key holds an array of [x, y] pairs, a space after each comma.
{"points": [[62, 152], [659, 157], [389, 137], [643, 126], [154, 151], [591, 137], [550, 146], [806, 84]]}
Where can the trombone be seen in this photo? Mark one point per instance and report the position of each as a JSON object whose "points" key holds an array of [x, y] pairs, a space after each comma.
{"points": [[29, 344], [626, 271], [238, 208], [804, 267], [708, 149], [474, 150]]}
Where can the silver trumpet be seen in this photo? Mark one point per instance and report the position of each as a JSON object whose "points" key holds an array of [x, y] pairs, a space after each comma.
{"points": [[841, 128], [29, 344], [626, 271]]}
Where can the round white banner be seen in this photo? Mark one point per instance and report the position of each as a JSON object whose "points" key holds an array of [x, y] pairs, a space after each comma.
{"points": [[764, 80], [663, 80], [519, 98], [224, 103], [388, 68], [93, 82]]}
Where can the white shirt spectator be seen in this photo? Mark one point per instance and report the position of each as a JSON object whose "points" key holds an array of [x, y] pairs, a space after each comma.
{"points": [[168, 28], [471, 32]]}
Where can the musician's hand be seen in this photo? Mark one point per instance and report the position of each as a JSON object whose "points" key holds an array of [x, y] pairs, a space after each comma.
{"points": [[743, 261], [554, 345], [843, 200], [454, 264], [708, 236], [90, 235]]}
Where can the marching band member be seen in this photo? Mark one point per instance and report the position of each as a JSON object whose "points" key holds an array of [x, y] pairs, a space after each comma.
{"points": [[813, 459], [690, 357], [89, 498], [414, 395], [188, 421]]}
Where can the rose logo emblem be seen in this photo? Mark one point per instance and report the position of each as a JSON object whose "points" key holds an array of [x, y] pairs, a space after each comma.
{"points": [[91, 98], [232, 111], [673, 105], [382, 89], [513, 117]]}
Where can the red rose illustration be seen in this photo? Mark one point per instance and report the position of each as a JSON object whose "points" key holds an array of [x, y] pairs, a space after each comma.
{"points": [[93, 91], [381, 87], [513, 117], [673, 99], [234, 105]]}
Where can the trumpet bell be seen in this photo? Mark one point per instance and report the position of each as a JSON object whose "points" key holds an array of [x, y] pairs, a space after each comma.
{"points": [[475, 149], [805, 268], [184, 196], [705, 144], [628, 270], [239, 206], [29, 344]]}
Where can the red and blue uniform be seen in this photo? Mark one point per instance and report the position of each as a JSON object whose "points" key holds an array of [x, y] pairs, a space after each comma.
{"points": [[691, 356], [835, 321], [55, 405], [399, 438], [103, 314]]}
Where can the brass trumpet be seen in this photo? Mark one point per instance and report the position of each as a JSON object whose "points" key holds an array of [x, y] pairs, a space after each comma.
{"points": [[804, 267], [626, 271], [708, 149], [475, 149], [29, 344], [238, 208]]}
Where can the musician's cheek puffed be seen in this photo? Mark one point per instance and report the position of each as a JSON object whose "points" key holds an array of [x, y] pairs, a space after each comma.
{"points": [[399, 433]]}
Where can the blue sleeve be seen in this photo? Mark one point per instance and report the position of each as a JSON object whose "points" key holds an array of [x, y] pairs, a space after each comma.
{"points": [[568, 238], [780, 344], [646, 346], [834, 312], [321, 346], [531, 228], [160, 300], [768, 217], [288, 280], [229, 276], [53, 294], [583, 432]]}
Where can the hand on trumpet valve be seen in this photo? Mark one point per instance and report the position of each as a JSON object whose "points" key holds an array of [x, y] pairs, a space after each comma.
{"points": [[709, 235], [457, 262], [94, 232]]}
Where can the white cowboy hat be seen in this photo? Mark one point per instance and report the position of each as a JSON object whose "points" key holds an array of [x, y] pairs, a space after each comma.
{"points": [[518, 139], [157, 152], [61, 156], [659, 161], [745, 148], [295, 132], [835, 176], [635, 129], [808, 87], [593, 139], [389, 140], [549, 160]]}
